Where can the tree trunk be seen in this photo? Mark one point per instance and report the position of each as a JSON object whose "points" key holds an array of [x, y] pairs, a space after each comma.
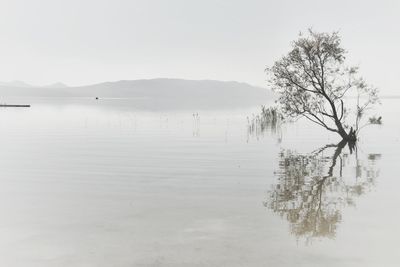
{"points": [[351, 135]]}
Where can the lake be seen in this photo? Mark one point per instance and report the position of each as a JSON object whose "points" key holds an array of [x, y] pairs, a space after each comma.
{"points": [[100, 183]]}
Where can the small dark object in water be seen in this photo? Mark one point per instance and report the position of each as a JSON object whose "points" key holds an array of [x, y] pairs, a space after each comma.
{"points": [[97, 98], [375, 120], [14, 106]]}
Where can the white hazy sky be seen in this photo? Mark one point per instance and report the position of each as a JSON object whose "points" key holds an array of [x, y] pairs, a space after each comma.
{"points": [[87, 41]]}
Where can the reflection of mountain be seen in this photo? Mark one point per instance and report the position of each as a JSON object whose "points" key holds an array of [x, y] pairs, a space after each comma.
{"points": [[311, 189]]}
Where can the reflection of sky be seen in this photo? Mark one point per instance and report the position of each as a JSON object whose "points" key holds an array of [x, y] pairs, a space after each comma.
{"points": [[79, 182]]}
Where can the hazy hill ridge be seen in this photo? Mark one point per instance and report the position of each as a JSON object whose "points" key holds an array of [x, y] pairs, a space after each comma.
{"points": [[157, 91]]}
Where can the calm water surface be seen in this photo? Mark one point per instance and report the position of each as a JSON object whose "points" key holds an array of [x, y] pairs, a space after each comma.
{"points": [[86, 183]]}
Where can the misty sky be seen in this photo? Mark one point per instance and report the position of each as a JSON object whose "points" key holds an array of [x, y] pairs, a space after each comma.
{"points": [[88, 41]]}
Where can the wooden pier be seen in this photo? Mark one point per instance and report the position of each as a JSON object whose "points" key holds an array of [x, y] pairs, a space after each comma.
{"points": [[14, 106]]}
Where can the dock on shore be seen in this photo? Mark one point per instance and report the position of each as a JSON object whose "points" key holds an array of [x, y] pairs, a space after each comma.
{"points": [[14, 106]]}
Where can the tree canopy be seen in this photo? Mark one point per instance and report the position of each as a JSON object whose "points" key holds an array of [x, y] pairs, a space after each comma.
{"points": [[312, 81]]}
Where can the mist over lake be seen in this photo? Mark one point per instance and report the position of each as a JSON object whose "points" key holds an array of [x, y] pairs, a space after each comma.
{"points": [[150, 94], [199, 133], [88, 183]]}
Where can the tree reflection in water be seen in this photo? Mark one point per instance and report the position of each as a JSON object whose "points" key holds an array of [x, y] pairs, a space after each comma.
{"points": [[311, 189]]}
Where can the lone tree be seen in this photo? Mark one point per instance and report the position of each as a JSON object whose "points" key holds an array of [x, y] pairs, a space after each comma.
{"points": [[313, 82]]}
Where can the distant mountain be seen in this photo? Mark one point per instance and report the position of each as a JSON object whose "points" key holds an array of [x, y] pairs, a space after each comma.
{"points": [[55, 85], [16, 84], [162, 93]]}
